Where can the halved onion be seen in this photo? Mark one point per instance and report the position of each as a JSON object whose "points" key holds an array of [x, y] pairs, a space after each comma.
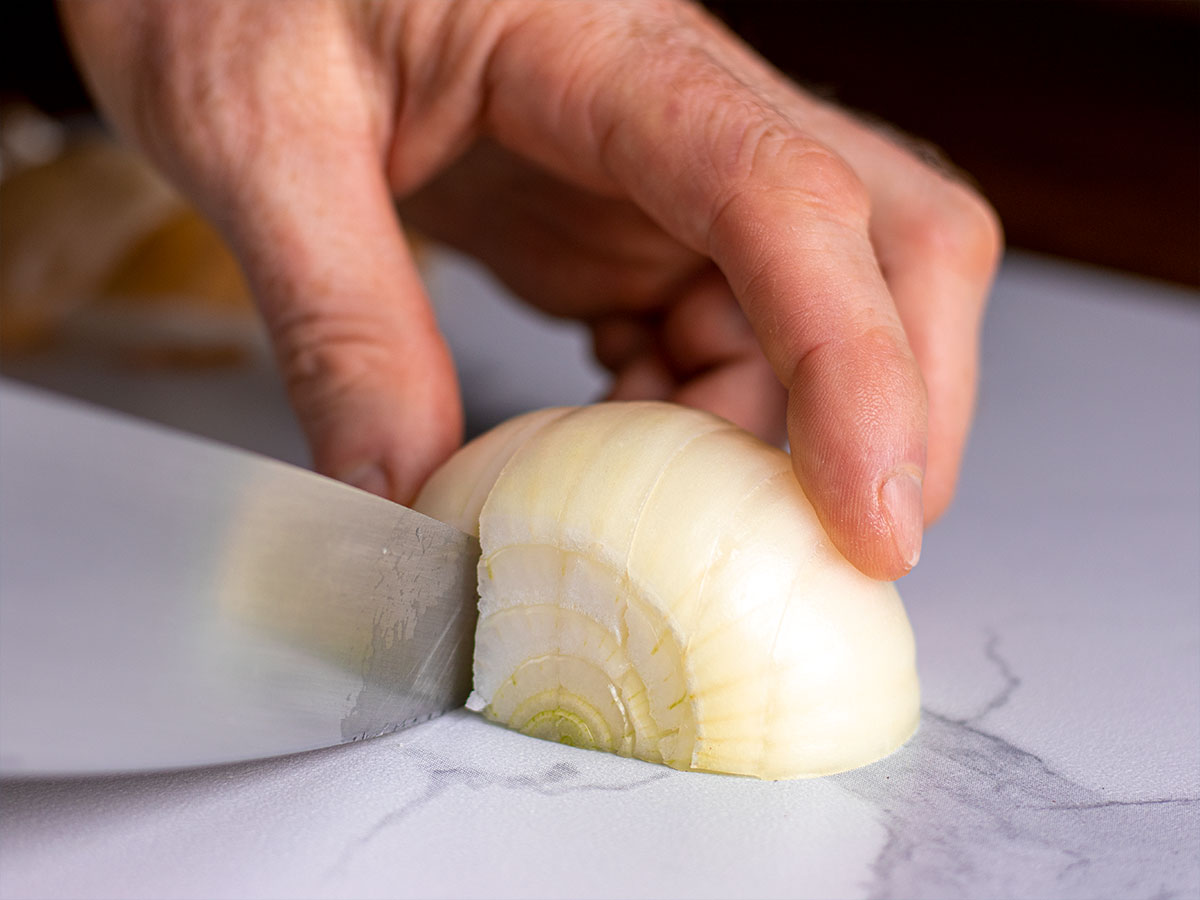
{"points": [[655, 583]]}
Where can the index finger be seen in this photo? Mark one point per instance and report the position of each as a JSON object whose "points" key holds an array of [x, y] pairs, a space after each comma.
{"points": [[650, 110]]}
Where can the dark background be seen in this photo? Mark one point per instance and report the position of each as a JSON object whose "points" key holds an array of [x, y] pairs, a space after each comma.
{"points": [[1079, 119]]}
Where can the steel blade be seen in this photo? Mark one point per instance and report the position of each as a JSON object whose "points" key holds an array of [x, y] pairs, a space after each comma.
{"points": [[166, 601]]}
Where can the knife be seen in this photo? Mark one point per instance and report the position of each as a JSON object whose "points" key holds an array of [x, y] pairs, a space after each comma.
{"points": [[168, 602]]}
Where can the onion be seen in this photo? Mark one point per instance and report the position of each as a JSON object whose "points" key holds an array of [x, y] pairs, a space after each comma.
{"points": [[655, 583]]}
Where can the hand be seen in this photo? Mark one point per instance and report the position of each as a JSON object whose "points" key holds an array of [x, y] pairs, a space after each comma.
{"points": [[733, 242]]}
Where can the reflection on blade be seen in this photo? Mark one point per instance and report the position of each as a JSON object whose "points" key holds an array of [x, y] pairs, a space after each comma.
{"points": [[380, 613], [169, 602]]}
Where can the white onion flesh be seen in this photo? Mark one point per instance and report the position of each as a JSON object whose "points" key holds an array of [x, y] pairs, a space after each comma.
{"points": [[655, 583]]}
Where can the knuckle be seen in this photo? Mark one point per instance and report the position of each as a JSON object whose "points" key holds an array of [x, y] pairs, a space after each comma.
{"points": [[788, 169], [962, 229], [326, 359], [876, 356], [787, 172], [828, 180], [987, 230], [184, 105], [978, 227]]}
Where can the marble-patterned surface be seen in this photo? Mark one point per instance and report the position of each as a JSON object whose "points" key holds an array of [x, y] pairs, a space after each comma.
{"points": [[1057, 615]]}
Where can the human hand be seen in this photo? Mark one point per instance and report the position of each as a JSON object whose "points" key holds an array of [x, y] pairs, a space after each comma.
{"points": [[726, 235]]}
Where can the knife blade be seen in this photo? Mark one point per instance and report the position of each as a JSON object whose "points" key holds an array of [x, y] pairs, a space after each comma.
{"points": [[168, 602]]}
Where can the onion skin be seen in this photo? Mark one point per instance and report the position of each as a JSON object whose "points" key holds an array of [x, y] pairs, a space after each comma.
{"points": [[655, 583]]}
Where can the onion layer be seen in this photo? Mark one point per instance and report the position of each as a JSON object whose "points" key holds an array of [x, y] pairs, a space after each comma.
{"points": [[655, 583]]}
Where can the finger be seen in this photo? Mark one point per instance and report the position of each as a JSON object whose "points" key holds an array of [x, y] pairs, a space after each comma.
{"points": [[743, 390], [712, 350], [618, 340], [856, 410], [288, 159], [939, 244], [939, 259], [705, 327], [787, 222], [704, 355], [570, 252], [645, 377], [367, 371]]}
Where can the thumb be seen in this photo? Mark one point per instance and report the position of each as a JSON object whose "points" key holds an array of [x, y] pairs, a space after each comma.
{"points": [[267, 117], [367, 371]]}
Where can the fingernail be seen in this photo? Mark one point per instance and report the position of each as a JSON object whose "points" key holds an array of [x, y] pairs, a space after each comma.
{"points": [[368, 477], [901, 496]]}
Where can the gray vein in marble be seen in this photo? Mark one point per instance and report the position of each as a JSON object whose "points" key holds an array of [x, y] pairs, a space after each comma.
{"points": [[991, 650], [558, 779], [1107, 803], [969, 814]]}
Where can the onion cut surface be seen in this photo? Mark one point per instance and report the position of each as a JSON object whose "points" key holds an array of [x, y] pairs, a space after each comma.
{"points": [[655, 583]]}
